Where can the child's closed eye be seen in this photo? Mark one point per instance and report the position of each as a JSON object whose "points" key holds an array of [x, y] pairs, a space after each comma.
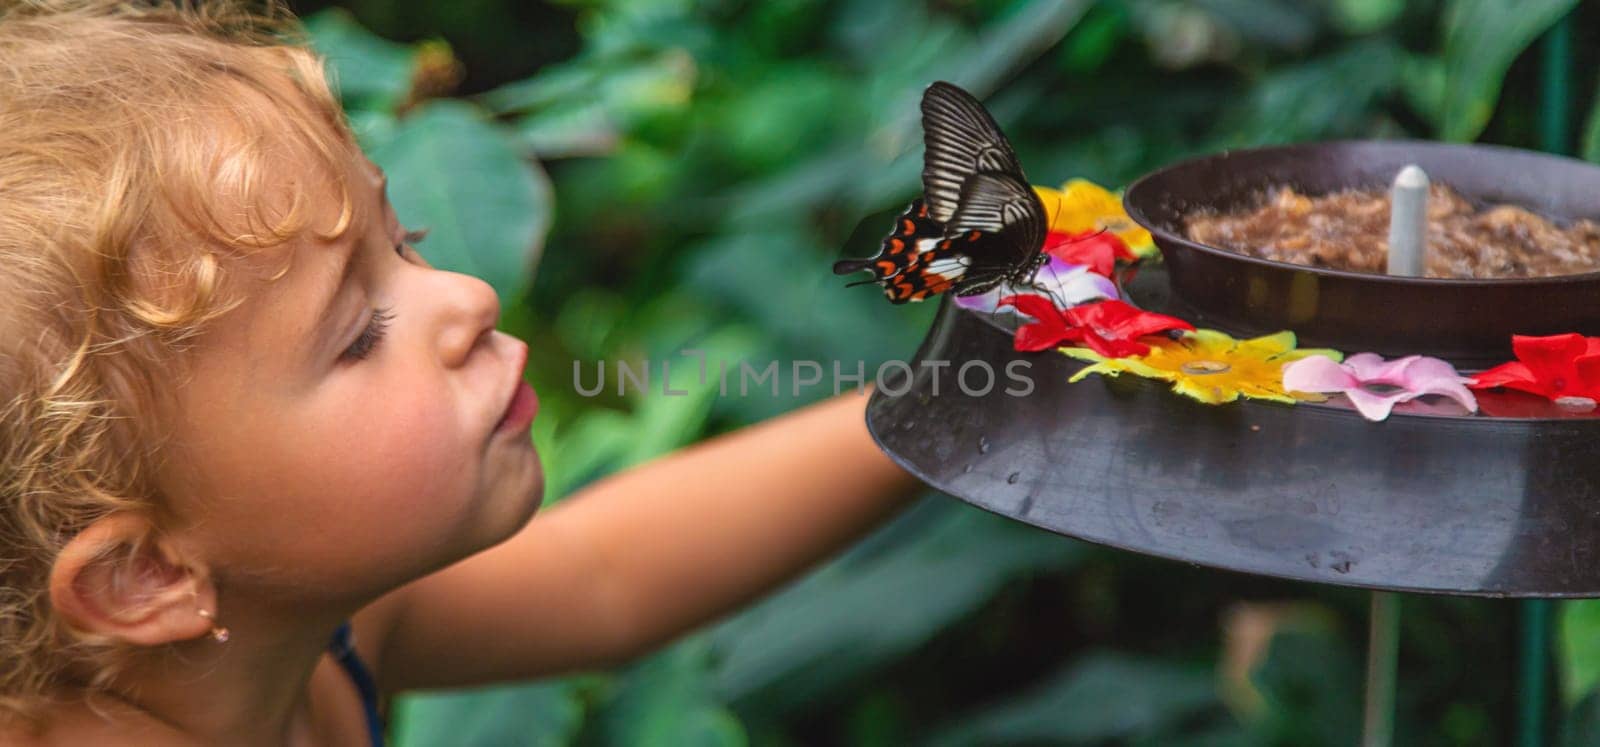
{"points": [[379, 323], [371, 336]]}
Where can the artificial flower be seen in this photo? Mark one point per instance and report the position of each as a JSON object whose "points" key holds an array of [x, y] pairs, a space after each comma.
{"points": [[1110, 328], [1374, 385], [1081, 206], [1510, 403], [1066, 283], [1211, 366], [1099, 250], [1564, 368]]}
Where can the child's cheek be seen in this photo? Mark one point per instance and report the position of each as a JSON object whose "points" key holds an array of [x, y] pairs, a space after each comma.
{"points": [[417, 456]]}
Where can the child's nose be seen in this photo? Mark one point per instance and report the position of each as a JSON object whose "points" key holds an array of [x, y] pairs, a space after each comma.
{"points": [[470, 310]]}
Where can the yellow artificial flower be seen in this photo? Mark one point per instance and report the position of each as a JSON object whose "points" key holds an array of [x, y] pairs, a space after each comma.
{"points": [[1212, 366], [1081, 205]]}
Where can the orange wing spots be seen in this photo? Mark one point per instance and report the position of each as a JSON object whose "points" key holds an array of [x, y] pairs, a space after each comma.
{"points": [[896, 246], [922, 211], [973, 236], [910, 228], [885, 267], [919, 295]]}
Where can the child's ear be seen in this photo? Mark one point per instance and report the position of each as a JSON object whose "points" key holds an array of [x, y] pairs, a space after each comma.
{"points": [[148, 596]]}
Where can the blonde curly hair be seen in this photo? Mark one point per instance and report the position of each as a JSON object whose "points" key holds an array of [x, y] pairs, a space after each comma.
{"points": [[135, 142]]}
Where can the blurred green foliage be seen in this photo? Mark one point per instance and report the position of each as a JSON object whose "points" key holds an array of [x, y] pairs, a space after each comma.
{"points": [[709, 158]]}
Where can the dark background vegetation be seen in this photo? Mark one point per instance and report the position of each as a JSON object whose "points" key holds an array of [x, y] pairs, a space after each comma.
{"points": [[638, 177]]}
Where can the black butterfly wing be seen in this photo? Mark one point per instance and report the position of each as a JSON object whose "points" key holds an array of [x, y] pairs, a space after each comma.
{"points": [[997, 234], [976, 202], [1000, 224], [960, 139], [899, 248], [931, 272]]}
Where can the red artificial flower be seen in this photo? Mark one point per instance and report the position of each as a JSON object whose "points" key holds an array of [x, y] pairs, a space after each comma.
{"points": [[1552, 367], [1100, 250], [1110, 328]]}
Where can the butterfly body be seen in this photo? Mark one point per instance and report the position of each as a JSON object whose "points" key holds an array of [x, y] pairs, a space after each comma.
{"points": [[979, 222]]}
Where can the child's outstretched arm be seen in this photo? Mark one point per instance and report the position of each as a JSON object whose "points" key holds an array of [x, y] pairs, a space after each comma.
{"points": [[640, 557]]}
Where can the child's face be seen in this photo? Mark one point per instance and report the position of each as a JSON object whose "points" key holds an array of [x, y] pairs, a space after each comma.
{"points": [[302, 467]]}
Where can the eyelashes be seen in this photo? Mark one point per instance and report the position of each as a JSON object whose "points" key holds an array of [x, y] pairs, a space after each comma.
{"points": [[379, 324], [371, 336]]}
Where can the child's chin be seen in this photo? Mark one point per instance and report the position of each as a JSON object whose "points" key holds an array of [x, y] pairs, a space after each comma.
{"points": [[520, 510]]}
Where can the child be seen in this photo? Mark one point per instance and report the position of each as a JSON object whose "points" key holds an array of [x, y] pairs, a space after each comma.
{"points": [[241, 412]]}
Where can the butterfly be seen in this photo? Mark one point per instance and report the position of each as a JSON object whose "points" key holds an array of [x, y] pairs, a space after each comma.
{"points": [[978, 223]]}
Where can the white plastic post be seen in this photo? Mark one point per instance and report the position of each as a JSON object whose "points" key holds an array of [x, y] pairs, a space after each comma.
{"points": [[1408, 222]]}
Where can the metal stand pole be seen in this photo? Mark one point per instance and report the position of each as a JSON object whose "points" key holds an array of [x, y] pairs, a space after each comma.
{"points": [[1383, 658], [1531, 695]]}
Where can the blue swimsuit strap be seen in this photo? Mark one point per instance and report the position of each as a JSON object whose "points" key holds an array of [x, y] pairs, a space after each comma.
{"points": [[345, 651]]}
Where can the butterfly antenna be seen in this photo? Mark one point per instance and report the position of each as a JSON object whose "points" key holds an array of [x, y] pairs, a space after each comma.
{"points": [[1059, 301]]}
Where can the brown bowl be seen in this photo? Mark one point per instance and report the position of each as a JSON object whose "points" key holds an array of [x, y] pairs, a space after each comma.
{"points": [[1468, 321]]}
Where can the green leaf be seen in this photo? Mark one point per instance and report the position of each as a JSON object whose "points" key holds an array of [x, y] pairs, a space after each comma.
{"points": [[812, 312], [1312, 684], [587, 106], [486, 208], [1366, 16], [665, 700], [772, 119], [980, 64], [666, 415], [893, 592], [1266, 23], [568, 130], [1231, 735], [1581, 726], [553, 85], [1027, 31], [1481, 40], [1095, 39], [1326, 97], [591, 446], [1422, 79], [1103, 696], [367, 71], [373, 128], [530, 715], [1579, 648], [674, 411]]}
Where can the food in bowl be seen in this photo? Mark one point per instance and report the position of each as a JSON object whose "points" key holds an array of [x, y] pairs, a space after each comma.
{"points": [[1349, 230]]}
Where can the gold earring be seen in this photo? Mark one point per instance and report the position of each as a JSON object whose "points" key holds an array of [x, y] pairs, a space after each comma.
{"points": [[218, 633]]}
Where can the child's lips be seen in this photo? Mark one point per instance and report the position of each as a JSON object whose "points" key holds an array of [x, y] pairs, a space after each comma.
{"points": [[519, 414], [523, 403]]}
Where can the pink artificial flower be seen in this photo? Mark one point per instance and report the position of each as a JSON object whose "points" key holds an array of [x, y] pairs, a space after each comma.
{"points": [[1374, 385]]}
